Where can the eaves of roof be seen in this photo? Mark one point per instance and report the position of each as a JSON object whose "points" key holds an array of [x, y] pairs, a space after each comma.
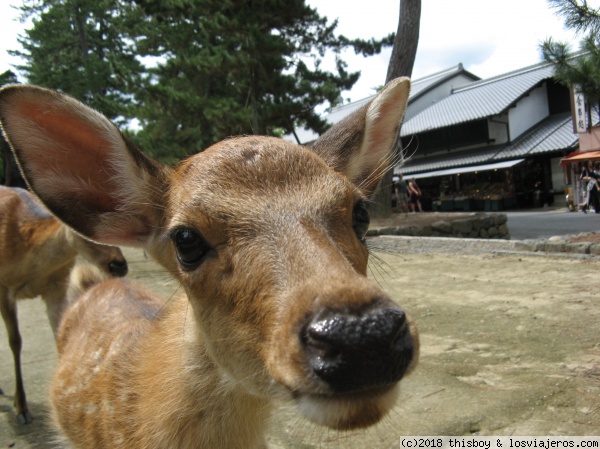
{"points": [[454, 159], [551, 134], [418, 88], [555, 133], [421, 86], [479, 99]]}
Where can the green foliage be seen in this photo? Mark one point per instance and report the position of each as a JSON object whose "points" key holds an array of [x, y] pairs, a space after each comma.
{"points": [[6, 166], [583, 68], [83, 48], [232, 67], [579, 15], [192, 72], [8, 77]]}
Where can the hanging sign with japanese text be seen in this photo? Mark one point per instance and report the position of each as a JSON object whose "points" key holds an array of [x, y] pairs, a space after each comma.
{"points": [[579, 110]]}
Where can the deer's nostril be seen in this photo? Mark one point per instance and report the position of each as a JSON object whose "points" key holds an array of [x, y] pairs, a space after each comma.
{"points": [[118, 268], [354, 352]]}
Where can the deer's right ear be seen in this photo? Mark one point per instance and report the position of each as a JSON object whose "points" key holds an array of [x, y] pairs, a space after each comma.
{"points": [[81, 166], [360, 146]]}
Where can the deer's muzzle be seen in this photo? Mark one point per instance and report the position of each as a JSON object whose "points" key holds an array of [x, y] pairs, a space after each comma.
{"points": [[359, 351]]}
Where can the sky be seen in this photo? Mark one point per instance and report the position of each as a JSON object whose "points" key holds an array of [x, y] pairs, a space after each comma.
{"points": [[489, 37]]}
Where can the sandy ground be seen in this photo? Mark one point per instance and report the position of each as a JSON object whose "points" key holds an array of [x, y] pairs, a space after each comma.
{"points": [[510, 346]]}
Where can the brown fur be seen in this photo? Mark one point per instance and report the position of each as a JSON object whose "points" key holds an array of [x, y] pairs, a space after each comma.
{"points": [[38, 253], [278, 220]]}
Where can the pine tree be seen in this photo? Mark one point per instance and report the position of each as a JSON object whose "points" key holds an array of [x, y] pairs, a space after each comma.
{"points": [[583, 68], [231, 67], [84, 48], [7, 167], [192, 72]]}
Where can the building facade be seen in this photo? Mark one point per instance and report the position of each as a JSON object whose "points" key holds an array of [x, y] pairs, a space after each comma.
{"points": [[486, 144]]}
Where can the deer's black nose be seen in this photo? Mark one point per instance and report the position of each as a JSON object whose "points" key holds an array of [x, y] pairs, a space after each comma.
{"points": [[359, 351], [117, 268]]}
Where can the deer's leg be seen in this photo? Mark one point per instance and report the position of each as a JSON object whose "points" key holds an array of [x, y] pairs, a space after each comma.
{"points": [[55, 298], [8, 307]]}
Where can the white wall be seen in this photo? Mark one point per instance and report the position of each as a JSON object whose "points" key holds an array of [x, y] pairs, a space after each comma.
{"points": [[498, 129], [528, 111]]}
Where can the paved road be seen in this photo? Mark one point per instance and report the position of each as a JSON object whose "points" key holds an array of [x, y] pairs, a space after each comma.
{"points": [[547, 223]]}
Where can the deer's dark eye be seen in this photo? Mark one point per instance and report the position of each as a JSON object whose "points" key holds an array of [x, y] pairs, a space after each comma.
{"points": [[190, 246], [360, 220]]}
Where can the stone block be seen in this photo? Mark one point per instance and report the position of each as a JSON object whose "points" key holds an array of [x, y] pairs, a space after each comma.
{"points": [[488, 222], [443, 227], [462, 227], [526, 245], [500, 219], [579, 247], [555, 246]]}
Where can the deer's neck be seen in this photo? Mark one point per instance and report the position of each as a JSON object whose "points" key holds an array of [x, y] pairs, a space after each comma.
{"points": [[44, 261], [56, 238], [183, 388]]}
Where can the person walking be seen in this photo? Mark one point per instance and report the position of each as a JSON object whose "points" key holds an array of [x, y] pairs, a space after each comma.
{"points": [[589, 178], [414, 193]]}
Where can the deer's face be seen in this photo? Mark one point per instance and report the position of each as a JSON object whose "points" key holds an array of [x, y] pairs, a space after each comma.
{"points": [[108, 258], [268, 242], [265, 237]]}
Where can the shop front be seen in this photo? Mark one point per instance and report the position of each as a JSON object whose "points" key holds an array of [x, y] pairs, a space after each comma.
{"points": [[573, 164], [517, 183]]}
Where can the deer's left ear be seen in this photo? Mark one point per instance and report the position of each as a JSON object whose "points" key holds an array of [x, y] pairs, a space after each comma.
{"points": [[360, 146]]}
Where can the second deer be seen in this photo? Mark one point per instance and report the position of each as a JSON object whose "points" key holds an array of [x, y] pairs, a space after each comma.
{"points": [[37, 253], [267, 239]]}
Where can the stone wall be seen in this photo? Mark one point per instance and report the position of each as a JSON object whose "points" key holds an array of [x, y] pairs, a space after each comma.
{"points": [[479, 226], [561, 245]]}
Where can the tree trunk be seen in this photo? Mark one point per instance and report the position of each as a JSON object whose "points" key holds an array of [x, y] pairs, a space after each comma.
{"points": [[407, 39], [401, 64]]}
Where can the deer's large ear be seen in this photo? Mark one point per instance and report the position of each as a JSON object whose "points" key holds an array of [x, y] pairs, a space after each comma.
{"points": [[360, 146], [81, 166]]}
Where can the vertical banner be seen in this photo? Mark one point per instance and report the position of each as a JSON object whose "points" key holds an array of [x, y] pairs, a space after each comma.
{"points": [[579, 110]]}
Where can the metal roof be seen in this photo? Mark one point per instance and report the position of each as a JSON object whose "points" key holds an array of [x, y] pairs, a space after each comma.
{"points": [[469, 169], [479, 99], [554, 133], [418, 87], [453, 159], [551, 134]]}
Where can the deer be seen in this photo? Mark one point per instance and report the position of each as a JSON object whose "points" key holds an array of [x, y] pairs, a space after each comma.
{"points": [[38, 253], [267, 240]]}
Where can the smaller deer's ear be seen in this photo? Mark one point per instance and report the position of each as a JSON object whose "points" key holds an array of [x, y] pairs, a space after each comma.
{"points": [[360, 146], [81, 166]]}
